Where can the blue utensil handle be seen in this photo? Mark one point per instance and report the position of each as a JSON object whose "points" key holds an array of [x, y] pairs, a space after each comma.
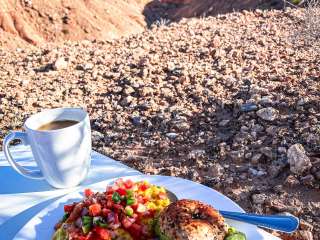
{"points": [[282, 223]]}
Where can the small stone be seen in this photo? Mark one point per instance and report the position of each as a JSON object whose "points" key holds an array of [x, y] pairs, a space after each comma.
{"points": [[266, 100], [267, 151], [291, 181], [304, 225], [307, 180], [196, 153], [237, 156], [282, 150], [88, 66], [25, 82], [298, 160], [268, 114], [306, 235], [171, 66], [182, 126], [272, 130], [248, 155], [259, 198], [274, 170], [137, 121], [317, 175], [255, 159], [60, 64], [97, 136], [248, 107], [128, 90], [216, 170], [224, 123], [301, 101], [257, 173], [172, 135], [127, 100]]}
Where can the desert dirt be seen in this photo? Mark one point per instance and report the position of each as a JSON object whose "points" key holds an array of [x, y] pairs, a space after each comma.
{"points": [[38, 21], [228, 101]]}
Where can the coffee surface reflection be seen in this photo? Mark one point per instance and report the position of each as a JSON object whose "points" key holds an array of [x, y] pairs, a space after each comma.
{"points": [[55, 125]]}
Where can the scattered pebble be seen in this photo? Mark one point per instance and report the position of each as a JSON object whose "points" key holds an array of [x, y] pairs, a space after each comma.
{"points": [[298, 160]]}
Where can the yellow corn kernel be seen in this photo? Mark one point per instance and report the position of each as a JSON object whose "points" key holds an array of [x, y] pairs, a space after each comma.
{"points": [[148, 193], [165, 202], [151, 205]]}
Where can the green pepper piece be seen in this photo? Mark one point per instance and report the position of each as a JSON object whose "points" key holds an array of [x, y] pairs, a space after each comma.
{"points": [[86, 224], [65, 217], [129, 193], [103, 225], [130, 201], [87, 220], [96, 220], [116, 198], [236, 236]]}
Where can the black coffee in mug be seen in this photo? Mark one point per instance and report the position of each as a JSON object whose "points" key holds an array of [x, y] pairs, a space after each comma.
{"points": [[57, 125]]}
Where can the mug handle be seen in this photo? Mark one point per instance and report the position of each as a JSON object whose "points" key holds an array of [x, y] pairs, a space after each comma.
{"points": [[33, 174]]}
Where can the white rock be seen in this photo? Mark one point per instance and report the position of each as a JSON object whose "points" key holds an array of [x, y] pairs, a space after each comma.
{"points": [[259, 198], [88, 66], [196, 153], [268, 114], [298, 160], [172, 135], [97, 136], [224, 123], [60, 64], [216, 170]]}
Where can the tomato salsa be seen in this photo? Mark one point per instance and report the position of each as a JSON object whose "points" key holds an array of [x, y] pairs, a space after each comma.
{"points": [[125, 211]]}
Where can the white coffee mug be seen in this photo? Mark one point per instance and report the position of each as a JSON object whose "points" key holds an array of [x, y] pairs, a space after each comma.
{"points": [[63, 155]]}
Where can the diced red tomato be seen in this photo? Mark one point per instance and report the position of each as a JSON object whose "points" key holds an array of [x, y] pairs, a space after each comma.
{"points": [[109, 190], [121, 191], [68, 208], [90, 236], [143, 187], [88, 192], [102, 233], [116, 218], [128, 184], [95, 209], [118, 207], [145, 199], [109, 203], [134, 206], [135, 230]]}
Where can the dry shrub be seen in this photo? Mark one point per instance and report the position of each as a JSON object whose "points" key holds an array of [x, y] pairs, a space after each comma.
{"points": [[308, 30]]}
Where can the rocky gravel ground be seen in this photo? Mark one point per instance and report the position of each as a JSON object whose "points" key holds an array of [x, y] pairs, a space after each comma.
{"points": [[227, 101]]}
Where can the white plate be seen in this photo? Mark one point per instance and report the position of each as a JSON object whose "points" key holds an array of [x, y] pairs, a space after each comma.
{"points": [[40, 227]]}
